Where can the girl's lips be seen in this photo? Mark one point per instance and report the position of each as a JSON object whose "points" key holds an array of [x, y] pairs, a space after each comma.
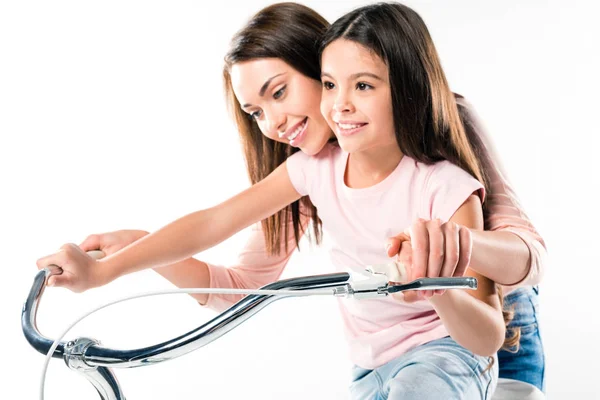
{"points": [[349, 132], [300, 137]]}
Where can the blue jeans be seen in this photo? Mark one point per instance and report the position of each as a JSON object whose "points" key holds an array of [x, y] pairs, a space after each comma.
{"points": [[528, 363], [440, 369]]}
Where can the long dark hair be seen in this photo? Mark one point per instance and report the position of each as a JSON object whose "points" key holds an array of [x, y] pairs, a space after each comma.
{"points": [[426, 119], [292, 33], [427, 122]]}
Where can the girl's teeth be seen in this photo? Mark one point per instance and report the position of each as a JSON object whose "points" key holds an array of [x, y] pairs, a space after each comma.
{"points": [[349, 126]]}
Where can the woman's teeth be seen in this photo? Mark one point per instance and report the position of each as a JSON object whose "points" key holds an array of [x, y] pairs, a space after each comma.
{"points": [[296, 132]]}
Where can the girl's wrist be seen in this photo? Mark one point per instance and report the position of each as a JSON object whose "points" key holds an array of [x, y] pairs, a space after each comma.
{"points": [[105, 273]]}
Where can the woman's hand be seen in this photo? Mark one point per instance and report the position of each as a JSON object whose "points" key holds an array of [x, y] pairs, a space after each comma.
{"points": [[431, 249], [111, 242]]}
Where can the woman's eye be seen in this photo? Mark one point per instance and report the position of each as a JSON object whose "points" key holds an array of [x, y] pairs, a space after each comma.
{"points": [[256, 114], [279, 93], [328, 85], [363, 86]]}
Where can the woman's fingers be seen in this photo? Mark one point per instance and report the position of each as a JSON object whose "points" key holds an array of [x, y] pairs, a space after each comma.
{"points": [[92, 242], [436, 251], [451, 252], [465, 248], [419, 240]]}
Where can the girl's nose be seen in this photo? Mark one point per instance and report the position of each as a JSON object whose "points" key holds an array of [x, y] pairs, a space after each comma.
{"points": [[342, 105]]}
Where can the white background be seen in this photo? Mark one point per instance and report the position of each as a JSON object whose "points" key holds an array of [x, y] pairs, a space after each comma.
{"points": [[112, 116]]}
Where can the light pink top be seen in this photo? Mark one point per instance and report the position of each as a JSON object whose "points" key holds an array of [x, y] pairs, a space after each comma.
{"points": [[358, 221]]}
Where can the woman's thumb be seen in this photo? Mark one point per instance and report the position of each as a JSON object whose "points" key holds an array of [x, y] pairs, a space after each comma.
{"points": [[92, 242]]}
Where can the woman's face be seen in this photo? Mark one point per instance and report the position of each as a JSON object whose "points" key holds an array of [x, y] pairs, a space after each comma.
{"points": [[284, 103]]}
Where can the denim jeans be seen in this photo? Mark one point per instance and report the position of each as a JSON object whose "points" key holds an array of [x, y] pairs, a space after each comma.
{"points": [[528, 363], [440, 369]]}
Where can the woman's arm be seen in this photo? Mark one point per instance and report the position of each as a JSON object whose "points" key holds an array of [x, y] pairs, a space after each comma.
{"points": [[472, 317], [510, 251], [179, 240]]}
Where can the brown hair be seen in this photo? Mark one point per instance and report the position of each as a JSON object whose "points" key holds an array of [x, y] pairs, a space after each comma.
{"points": [[513, 335], [427, 122], [292, 33], [428, 127]]}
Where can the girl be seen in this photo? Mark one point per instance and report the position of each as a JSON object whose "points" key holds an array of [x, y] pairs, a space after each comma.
{"points": [[286, 32]]}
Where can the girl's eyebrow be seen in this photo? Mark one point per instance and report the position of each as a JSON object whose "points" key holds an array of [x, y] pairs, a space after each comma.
{"points": [[355, 76], [263, 88]]}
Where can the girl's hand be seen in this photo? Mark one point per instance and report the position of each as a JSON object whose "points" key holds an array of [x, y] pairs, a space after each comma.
{"points": [[431, 249], [80, 272], [111, 242], [76, 271]]}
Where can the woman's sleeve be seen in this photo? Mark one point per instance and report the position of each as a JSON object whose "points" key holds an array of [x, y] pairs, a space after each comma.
{"points": [[254, 267], [503, 210]]}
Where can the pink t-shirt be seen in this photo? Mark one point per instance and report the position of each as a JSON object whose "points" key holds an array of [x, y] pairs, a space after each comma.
{"points": [[358, 221], [255, 268]]}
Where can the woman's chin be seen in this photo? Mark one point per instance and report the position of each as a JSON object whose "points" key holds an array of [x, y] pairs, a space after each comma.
{"points": [[312, 148]]}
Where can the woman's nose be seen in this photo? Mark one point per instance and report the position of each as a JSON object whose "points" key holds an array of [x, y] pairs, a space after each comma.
{"points": [[276, 125]]}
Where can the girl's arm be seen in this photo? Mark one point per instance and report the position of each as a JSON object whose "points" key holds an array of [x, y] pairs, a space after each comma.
{"points": [[179, 240], [472, 317], [252, 269]]}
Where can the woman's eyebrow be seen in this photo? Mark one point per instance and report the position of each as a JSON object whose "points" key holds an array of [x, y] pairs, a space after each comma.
{"points": [[263, 88], [265, 85]]}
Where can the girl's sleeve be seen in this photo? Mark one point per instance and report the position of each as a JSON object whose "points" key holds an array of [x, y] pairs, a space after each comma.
{"points": [[504, 212]]}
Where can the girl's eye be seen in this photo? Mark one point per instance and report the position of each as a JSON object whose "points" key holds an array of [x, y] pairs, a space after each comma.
{"points": [[363, 86], [256, 114], [279, 93], [328, 85]]}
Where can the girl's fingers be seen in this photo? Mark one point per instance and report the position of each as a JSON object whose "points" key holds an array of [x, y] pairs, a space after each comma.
{"points": [[393, 244]]}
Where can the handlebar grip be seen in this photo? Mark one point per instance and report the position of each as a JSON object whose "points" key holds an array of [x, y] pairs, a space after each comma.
{"points": [[96, 254], [466, 282]]}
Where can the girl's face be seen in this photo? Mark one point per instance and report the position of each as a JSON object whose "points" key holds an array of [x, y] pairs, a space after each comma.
{"points": [[284, 102], [356, 99]]}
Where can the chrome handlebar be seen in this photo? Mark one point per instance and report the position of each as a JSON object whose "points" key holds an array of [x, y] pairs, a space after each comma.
{"points": [[88, 357]]}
